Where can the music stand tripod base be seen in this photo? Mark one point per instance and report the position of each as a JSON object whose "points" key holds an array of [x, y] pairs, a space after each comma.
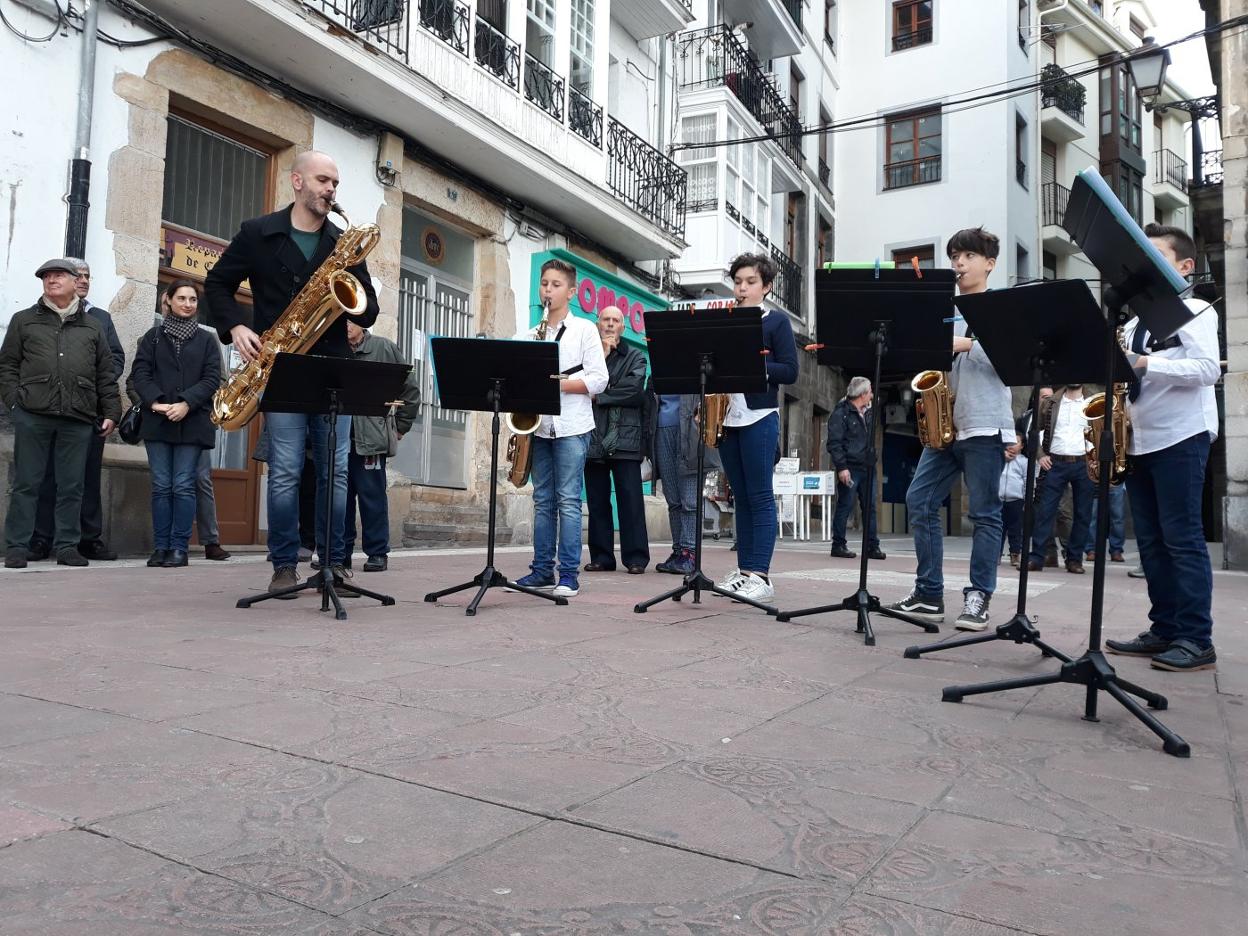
{"points": [[863, 604], [697, 582], [489, 578]]}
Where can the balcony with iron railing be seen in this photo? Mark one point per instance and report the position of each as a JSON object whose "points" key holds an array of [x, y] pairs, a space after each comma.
{"points": [[911, 172], [1053, 199], [1170, 167], [645, 179], [788, 287], [912, 38], [1060, 90], [714, 57], [1207, 170], [465, 90]]}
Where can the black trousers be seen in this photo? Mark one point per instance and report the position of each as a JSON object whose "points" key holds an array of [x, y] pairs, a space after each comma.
{"points": [[36, 440], [634, 544], [92, 516]]}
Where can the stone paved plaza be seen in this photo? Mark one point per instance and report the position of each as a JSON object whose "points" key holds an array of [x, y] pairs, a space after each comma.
{"points": [[169, 764]]}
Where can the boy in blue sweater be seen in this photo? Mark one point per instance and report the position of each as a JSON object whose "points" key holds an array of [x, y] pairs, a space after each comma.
{"points": [[985, 440]]}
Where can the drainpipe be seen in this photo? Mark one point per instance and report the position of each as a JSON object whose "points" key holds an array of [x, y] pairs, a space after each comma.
{"points": [[80, 164], [661, 141]]}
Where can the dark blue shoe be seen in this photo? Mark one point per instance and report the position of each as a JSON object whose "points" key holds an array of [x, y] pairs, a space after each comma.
{"points": [[683, 564], [568, 587], [536, 581]]}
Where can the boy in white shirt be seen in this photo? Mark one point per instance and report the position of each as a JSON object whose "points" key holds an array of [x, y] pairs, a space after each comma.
{"points": [[1174, 420]]}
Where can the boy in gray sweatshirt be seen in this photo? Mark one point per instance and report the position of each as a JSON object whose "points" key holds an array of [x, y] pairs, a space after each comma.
{"points": [[985, 440]]}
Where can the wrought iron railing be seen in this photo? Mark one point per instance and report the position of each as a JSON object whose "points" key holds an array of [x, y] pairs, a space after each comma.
{"points": [[788, 286], [497, 53], [1169, 166], [912, 172], [584, 117], [912, 38], [543, 87], [645, 179], [1208, 170], [1053, 198], [382, 23], [448, 20], [1020, 172], [714, 57], [825, 173], [1060, 90], [795, 12]]}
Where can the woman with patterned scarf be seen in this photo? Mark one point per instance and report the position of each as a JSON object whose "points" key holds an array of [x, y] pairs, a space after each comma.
{"points": [[176, 371]]}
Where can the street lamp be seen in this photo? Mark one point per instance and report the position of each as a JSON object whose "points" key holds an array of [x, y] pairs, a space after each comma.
{"points": [[1148, 66]]}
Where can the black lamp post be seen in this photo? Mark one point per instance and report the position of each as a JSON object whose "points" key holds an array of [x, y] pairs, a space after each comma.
{"points": [[1148, 66]]}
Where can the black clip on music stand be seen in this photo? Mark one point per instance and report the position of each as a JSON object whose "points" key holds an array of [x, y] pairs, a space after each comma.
{"points": [[1134, 272], [495, 376], [867, 315], [705, 351], [333, 387], [1034, 335]]}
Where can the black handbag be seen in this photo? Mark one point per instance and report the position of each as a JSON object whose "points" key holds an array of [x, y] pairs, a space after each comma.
{"points": [[130, 425]]}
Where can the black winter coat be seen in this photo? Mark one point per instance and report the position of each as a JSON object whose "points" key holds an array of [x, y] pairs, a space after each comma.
{"points": [[618, 430], [847, 438], [161, 376], [263, 252]]}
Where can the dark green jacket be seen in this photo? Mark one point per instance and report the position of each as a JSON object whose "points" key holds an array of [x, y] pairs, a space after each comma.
{"points": [[369, 435], [58, 369], [618, 409]]}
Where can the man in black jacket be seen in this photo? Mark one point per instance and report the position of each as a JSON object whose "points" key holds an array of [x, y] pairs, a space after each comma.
{"points": [[57, 378], [615, 450], [853, 459], [92, 545], [278, 254]]}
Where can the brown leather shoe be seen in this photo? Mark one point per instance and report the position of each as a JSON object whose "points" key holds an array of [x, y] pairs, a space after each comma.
{"points": [[214, 552], [1014, 559], [285, 577], [1089, 556], [1116, 557], [598, 567], [1074, 567], [636, 570], [1033, 566], [1050, 562]]}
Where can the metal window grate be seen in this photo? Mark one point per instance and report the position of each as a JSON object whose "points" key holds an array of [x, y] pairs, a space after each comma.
{"points": [[212, 183]]}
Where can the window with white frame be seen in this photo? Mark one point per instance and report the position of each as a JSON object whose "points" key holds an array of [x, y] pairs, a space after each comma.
{"points": [[582, 72], [702, 164], [539, 37]]}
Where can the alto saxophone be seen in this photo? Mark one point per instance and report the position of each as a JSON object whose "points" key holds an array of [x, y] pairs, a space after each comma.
{"points": [[1120, 429], [328, 294], [523, 425], [933, 409]]}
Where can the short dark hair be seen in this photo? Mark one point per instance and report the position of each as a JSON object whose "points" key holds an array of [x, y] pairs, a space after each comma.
{"points": [[976, 240], [567, 269], [1179, 240], [766, 267], [177, 284]]}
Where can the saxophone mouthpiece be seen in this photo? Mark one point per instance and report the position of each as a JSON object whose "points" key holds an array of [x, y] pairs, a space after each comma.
{"points": [[337, 209]]}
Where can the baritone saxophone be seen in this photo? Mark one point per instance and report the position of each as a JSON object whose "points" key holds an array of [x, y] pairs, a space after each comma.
{"points": [[331, 292]]}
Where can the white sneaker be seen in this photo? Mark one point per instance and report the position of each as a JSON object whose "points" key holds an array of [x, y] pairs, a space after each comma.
{"points": [[755, 587], [731, 580]]}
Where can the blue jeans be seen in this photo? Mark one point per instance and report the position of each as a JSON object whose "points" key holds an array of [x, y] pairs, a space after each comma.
{"points": [[980, 460], [1049, 495], [558, 471], [679, 490], [1117, 519], [1165, 489], [288, 434], [749, 458], [862, 490], [366, 483], [174, 469]]}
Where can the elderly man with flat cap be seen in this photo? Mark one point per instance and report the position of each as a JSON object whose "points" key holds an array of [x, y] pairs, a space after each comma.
{"points": [[57, 380]]}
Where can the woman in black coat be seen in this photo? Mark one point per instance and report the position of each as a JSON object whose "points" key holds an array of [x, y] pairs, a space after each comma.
{"points": [[177, 369]]}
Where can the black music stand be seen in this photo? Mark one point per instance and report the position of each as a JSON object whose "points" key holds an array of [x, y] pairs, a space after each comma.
{"points": [[1035, 335], [705, 351], [333, 387], [493, 376], [1135, 272], [866, 315]]}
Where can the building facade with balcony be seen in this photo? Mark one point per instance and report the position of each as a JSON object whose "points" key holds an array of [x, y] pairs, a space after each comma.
{"points": [[481, 136], [762, 73]]}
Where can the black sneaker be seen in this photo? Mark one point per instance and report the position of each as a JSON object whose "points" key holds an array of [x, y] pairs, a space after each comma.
{"points": [[39, 550], [96, 549], [15, 558], [1184, 656], [877, 554], [841, 552], [974, 616], [668, 565], [70, 557], [1146, 644], [920, 607]]}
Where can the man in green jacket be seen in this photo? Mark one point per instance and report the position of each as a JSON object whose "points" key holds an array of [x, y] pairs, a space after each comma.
{"points": [[373, 438], [58, 381]]}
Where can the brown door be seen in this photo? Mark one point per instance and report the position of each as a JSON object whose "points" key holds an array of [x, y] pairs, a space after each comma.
{"points": [[237, 492]]}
